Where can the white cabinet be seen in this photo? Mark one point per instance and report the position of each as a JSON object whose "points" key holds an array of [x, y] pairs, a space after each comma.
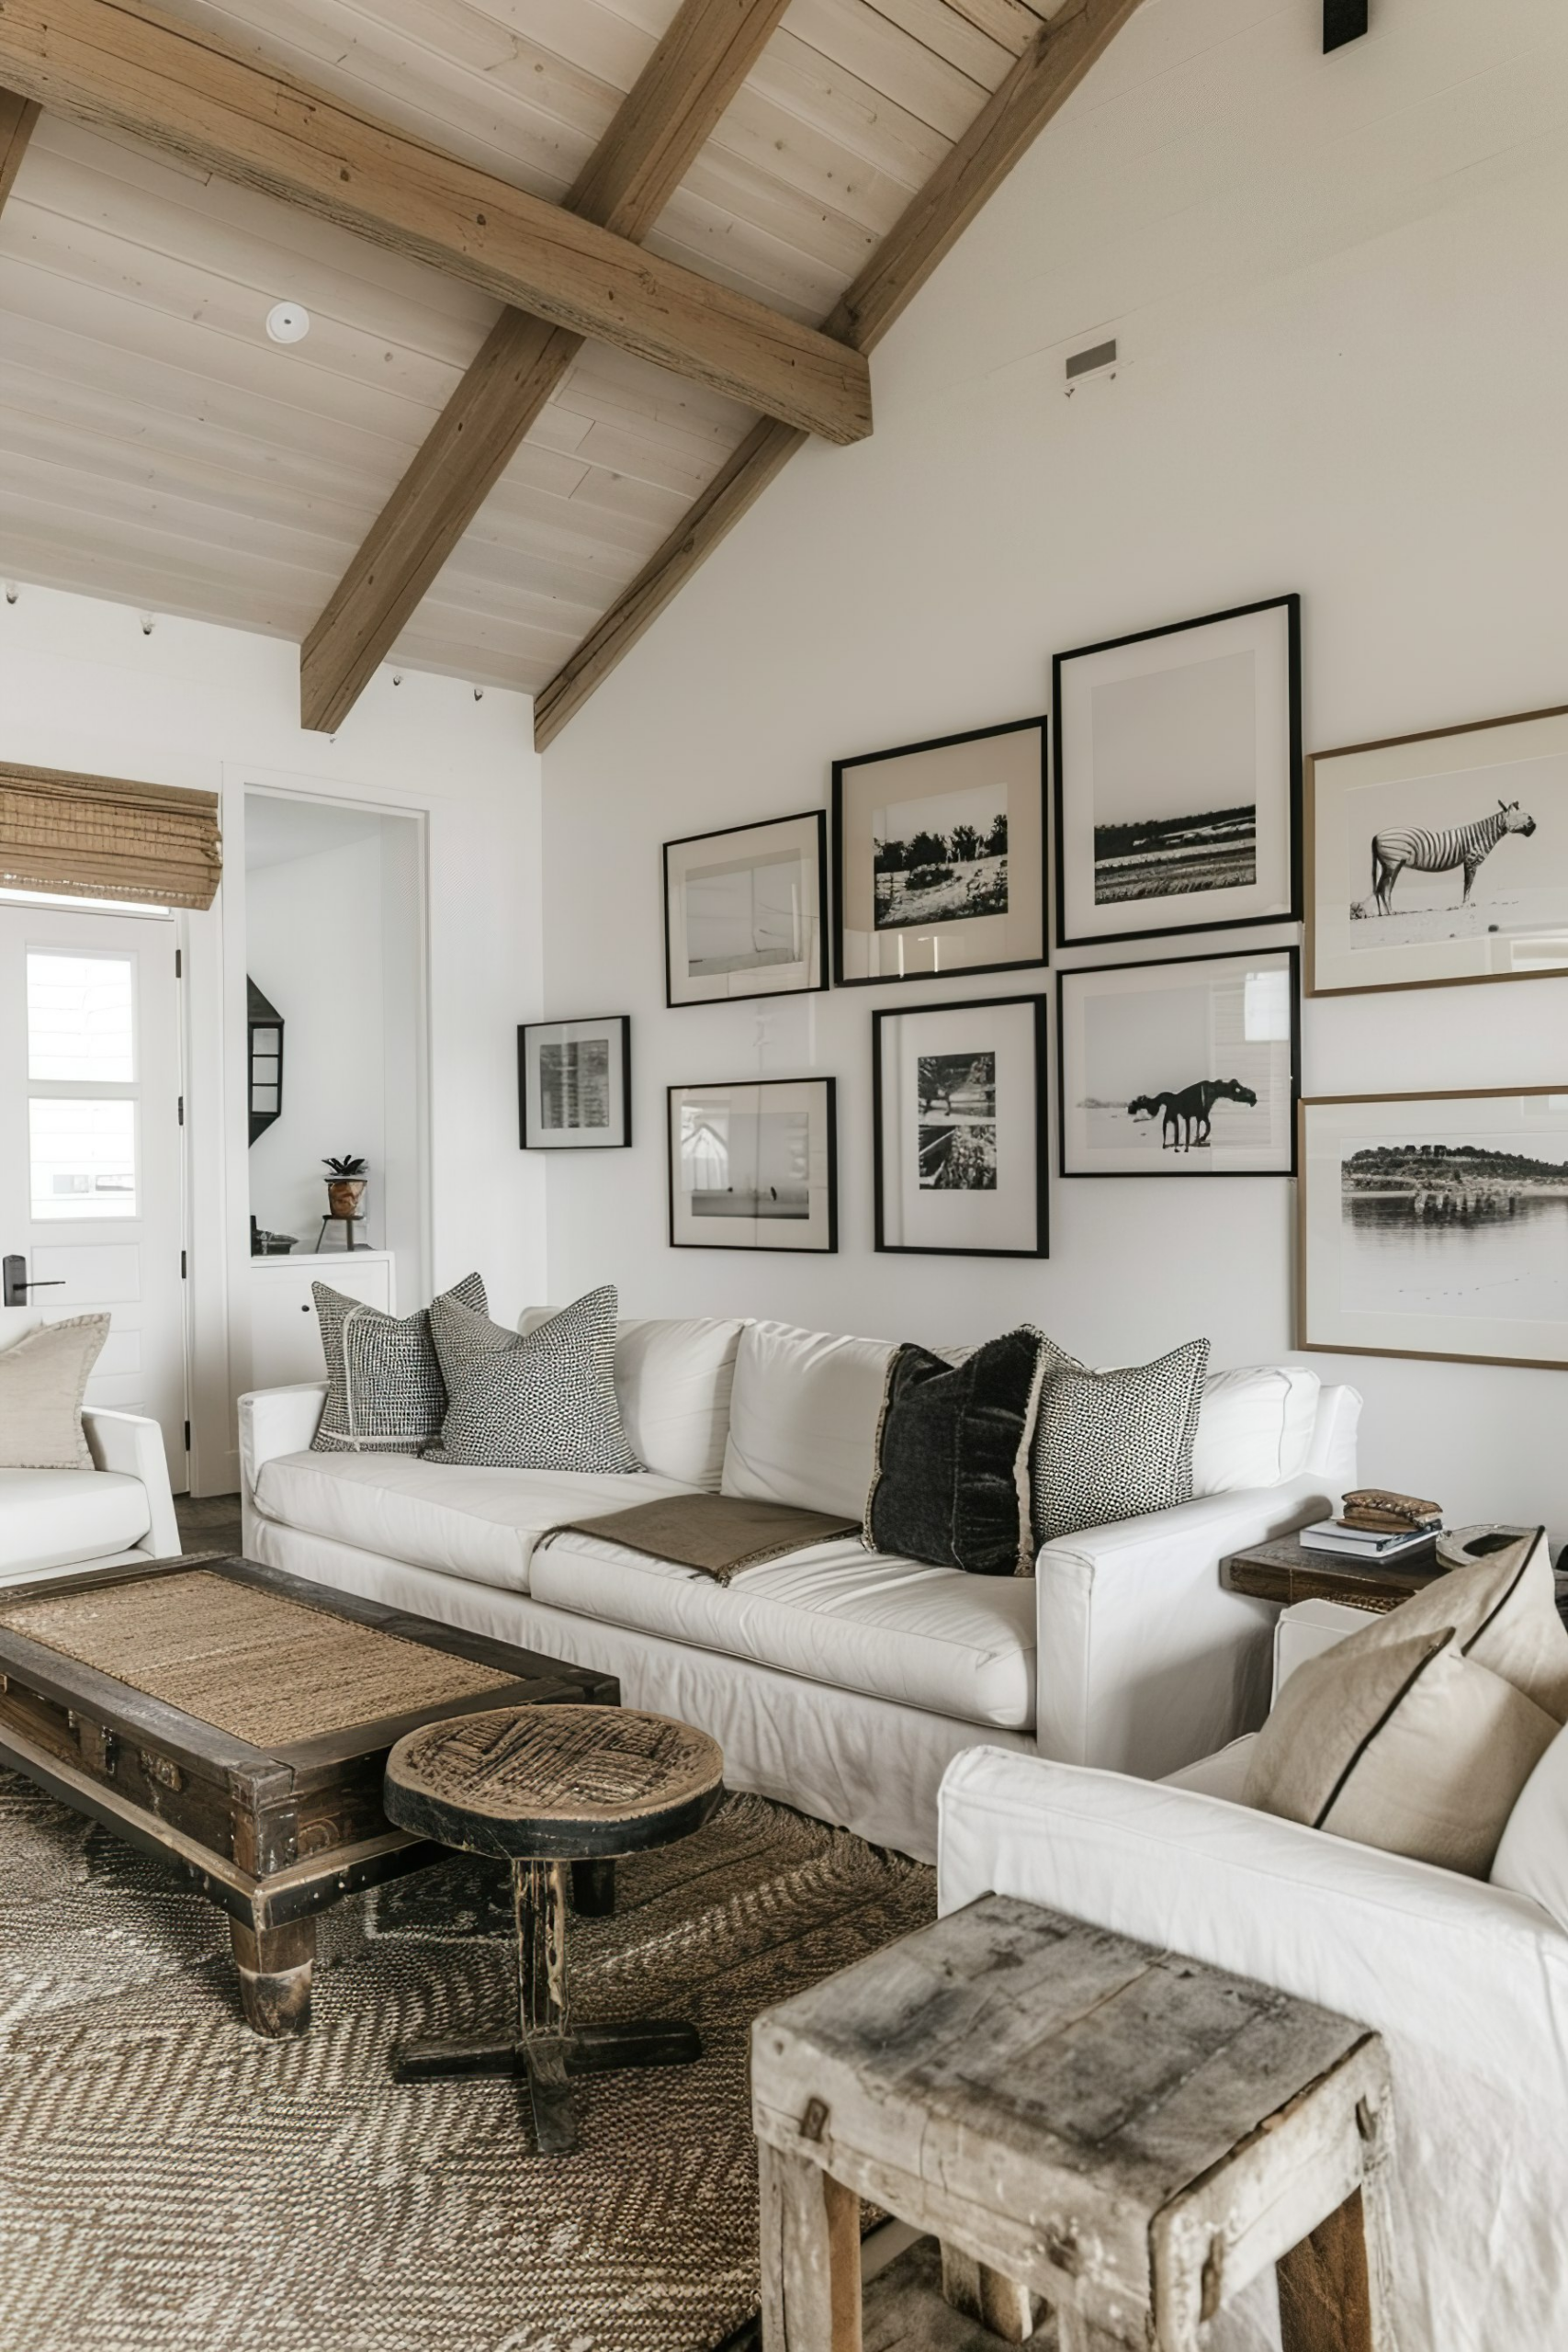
{"points": [[286, 1339]]}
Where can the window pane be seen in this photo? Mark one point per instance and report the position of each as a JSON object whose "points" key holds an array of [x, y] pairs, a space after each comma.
{"points": [[84, 1159], [80, 1017]]}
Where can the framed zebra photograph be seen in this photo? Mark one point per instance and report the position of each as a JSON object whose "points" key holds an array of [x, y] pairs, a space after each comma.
{"points": [[1182, 1066], [1440, 858]]}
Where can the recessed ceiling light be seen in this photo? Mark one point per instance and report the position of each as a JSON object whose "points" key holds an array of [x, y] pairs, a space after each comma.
{"points": [[289, 322]]}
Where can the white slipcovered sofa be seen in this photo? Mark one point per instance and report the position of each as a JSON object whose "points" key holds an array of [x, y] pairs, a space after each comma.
{"points": [[839, 1680], [119, 1511], [1467, 1983]]}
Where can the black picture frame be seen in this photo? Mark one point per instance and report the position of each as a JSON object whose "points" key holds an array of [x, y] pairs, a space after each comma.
{"points": [[817, 819], [825, 1249], [841, 768], [1292, 955], [1290, 605], [534, 1141], [1042, 1200]]}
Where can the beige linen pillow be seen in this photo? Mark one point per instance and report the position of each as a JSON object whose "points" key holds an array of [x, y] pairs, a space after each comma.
{"points": [[43, 1380], [1533, 1857], [1503, 1609]]}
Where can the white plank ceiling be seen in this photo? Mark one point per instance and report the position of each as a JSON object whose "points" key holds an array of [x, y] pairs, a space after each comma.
{"points": [[156, 448]]}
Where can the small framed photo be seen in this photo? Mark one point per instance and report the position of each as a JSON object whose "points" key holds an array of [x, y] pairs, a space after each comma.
{"points": [[1436, 1224], [1179, 767], [753, 1165], [1184, 1067], [938, 857], [1433, 859], [959, 1142], [574, 1084], [746, 911]]}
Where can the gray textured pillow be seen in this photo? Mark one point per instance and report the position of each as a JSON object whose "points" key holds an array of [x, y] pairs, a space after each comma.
{"points": [[42, 1381], [536, 1400], [1113, 1444], [385, 1393]]}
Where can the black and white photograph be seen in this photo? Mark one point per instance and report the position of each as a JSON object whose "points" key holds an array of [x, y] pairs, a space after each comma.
{"points": [[1440, 858], [939, 856], [1178, 775], [1436, 1226], [1184, 1067], [746, 911], [751, 1165], [959, 1142], [574, 1084]]}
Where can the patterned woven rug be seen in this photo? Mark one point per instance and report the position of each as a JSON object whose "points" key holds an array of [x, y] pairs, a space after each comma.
{"points": [[169, 2183]]}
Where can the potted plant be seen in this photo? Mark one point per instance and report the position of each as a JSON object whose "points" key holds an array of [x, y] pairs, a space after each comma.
{"points": [[347, 1181]]}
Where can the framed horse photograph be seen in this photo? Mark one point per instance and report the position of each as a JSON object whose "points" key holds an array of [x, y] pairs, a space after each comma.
{"points": [[1187, 1065], [1440, 858]]}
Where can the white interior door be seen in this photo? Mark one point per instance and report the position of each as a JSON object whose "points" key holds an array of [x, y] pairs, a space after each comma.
{"points": [[91, 1166]]}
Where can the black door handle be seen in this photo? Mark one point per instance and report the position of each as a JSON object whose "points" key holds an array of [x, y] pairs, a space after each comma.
{"points": [[16, 1286]]}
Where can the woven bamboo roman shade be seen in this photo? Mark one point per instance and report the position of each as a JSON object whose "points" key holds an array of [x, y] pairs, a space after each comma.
{"points": [[106, 837]]}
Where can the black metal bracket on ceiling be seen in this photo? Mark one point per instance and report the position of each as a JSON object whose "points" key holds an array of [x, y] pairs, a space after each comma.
{"points": [[1343, 20]]}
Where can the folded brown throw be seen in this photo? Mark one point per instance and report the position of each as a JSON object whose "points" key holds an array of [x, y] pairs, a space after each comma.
{"points": [[720, 1534]]}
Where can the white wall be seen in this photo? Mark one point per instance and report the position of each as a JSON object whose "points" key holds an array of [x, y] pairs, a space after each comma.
{"points": [[1339, 289], [81, 687]]}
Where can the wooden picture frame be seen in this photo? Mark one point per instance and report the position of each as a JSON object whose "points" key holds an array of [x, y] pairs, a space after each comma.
{"points": [[746, 911], [746, 1173], [982, 908], [1364, 801], [583, 1101], [936, 1175], [1399, 1173], [1143, 723], [1264, 1061]]}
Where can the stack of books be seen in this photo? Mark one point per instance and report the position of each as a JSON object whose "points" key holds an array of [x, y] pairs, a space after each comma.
{"points": [[1376, 1524]]}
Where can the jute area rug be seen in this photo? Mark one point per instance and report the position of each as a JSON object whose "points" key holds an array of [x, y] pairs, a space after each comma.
{"points": [[169, 2183]]}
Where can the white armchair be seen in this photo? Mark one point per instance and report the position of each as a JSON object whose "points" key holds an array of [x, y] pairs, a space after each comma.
{"points": [[119, 1511], [1468, 1984]]}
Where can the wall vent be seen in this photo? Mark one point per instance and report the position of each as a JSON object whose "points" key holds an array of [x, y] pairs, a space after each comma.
{"points": [[1091, 362]]}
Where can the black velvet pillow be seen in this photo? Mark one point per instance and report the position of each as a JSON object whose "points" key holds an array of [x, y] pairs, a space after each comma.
{"points": [[951, 1481]]}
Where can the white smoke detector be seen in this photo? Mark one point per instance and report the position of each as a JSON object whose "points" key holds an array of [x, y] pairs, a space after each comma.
{"points": [[289, 322]]}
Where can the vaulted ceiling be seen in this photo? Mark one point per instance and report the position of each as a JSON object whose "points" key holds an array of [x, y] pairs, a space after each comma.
{"points": [[156, 446]]}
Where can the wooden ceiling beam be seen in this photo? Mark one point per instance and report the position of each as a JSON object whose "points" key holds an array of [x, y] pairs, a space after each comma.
{"points": [[1038, 83], [121, 64], [662, 124], [18, 117]]}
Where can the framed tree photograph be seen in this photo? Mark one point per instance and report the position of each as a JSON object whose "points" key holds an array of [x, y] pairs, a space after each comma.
{"points": [[959, 1129], [746, 911], [1183, 1067], [753, 1165], [938, 857], [1436, 1224], [1178, 778], [574, 1084], [1440, 858]]}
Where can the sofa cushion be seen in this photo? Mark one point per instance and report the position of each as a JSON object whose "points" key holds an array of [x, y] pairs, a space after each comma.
{"points": [[927, 1637], [952, 1480], [672, 1384], [1113, 1444], [1254, 1427], [803, 1417], [51, 1519], [538, 1401], [385, 1393], [461, 1521]]}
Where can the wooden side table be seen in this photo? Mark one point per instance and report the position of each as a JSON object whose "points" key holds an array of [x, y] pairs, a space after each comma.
{"points": [[1126, 2135], [1284, 1570]]}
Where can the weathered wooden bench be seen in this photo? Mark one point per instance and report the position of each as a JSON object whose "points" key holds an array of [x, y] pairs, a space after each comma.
{"points": [[1115, 2134]]}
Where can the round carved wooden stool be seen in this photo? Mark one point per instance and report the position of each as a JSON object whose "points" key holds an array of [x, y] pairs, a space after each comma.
{"points": [[545, 1786]]}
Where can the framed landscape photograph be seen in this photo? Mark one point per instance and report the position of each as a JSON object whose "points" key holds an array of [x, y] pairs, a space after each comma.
{"points": [[1436, 1224], [753, 1165], [959, 1140], [574, 1083], [1438, 858], [1182, 1067], [938, 857], [746, 911], [1178, 778]]}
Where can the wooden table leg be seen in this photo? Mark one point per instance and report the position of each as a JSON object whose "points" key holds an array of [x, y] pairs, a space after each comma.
{"points": [[275, 1966], [971, 2287], [538, 1894], [1326, 2304], [811, 2299], [593, 1889]]}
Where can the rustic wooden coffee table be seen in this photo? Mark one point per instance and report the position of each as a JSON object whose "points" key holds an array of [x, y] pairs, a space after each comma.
{"points": [[237, 1719]]}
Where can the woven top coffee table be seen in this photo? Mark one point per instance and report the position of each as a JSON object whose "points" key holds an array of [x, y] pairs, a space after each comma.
{"points": [[542, 1787], [236, 1719]]}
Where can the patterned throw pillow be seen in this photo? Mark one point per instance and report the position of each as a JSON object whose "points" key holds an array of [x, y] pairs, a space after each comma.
{"points": [[1113, 1444], [539, 1400], [385, 1393], [951, 1486]]}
